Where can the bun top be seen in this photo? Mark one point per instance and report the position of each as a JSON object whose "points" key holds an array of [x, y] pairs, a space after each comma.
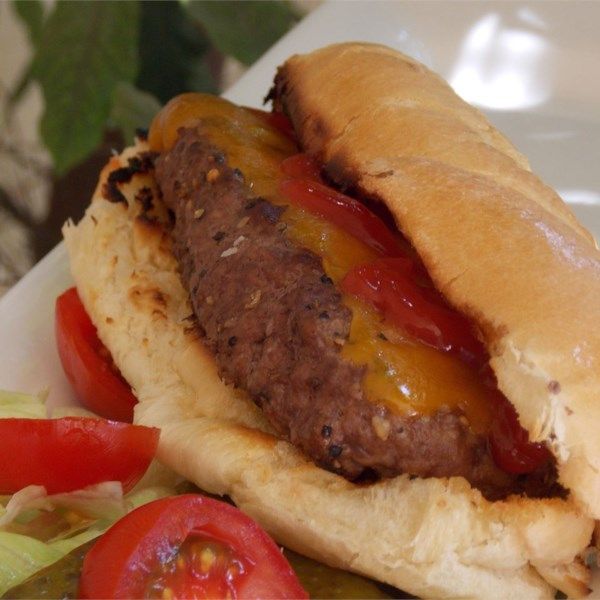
{"points": [[501, 246]]}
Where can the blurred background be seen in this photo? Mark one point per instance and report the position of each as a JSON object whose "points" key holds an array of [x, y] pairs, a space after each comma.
{"points": [[78, 77]]}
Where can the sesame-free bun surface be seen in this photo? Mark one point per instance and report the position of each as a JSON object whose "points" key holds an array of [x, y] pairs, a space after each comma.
{"points": [[499, 244], [431, 537]]}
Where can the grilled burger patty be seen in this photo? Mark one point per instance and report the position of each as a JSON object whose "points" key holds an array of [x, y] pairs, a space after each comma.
{"points": [[275, 323]]}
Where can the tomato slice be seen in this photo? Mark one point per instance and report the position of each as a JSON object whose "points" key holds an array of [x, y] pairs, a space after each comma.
{"points": [[396, 288], [71, 453], [509, 442], [187, 546], [88, 364], [345, 212]]}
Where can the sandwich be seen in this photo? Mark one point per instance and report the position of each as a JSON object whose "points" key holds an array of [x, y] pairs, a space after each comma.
{"points": [[363, 319]]}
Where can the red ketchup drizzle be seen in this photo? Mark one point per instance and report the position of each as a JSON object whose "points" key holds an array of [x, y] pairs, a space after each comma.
{"points": [[392, 287], [305, 188], [508, 442], [398, 286], [345, 212], [302, 166]]}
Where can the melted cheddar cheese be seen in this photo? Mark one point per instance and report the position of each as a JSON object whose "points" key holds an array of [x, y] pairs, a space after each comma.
{"points": [[402, 374]]}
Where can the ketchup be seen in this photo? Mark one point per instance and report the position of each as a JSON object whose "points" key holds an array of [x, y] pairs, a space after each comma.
{"points": [[302, 166], [345, 212], [397, 285], [508, 442], [392, 287]]}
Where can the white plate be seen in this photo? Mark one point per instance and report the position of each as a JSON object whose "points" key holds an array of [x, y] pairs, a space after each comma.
{"points": [[532, 67]]}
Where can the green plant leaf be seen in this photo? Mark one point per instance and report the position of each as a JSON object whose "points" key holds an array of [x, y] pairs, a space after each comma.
{"points": [[31, 13], [167, 67], [132, 109], [201, 78], [244, 29], [85, 50]]}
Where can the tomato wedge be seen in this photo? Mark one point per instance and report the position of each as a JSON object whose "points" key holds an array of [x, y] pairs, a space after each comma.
{"points": [[71, 453], [187, 546], [345, 212], [88, 364]]}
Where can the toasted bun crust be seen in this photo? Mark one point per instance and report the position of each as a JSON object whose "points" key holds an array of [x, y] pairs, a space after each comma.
{"points": [[501, 246], [431, 537]]}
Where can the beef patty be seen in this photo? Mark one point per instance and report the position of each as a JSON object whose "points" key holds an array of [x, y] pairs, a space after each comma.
{"points": [[275, 323]]}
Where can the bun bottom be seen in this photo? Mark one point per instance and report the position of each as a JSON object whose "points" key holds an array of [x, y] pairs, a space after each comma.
{"points": [[430, 537]]}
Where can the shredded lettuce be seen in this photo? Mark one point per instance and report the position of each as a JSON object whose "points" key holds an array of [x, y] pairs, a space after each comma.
{"points": [[21, 556], [23, 406], [102, 501], [37, 529], [33, 496], [74, 519], [33, 406], [58, 412]]}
